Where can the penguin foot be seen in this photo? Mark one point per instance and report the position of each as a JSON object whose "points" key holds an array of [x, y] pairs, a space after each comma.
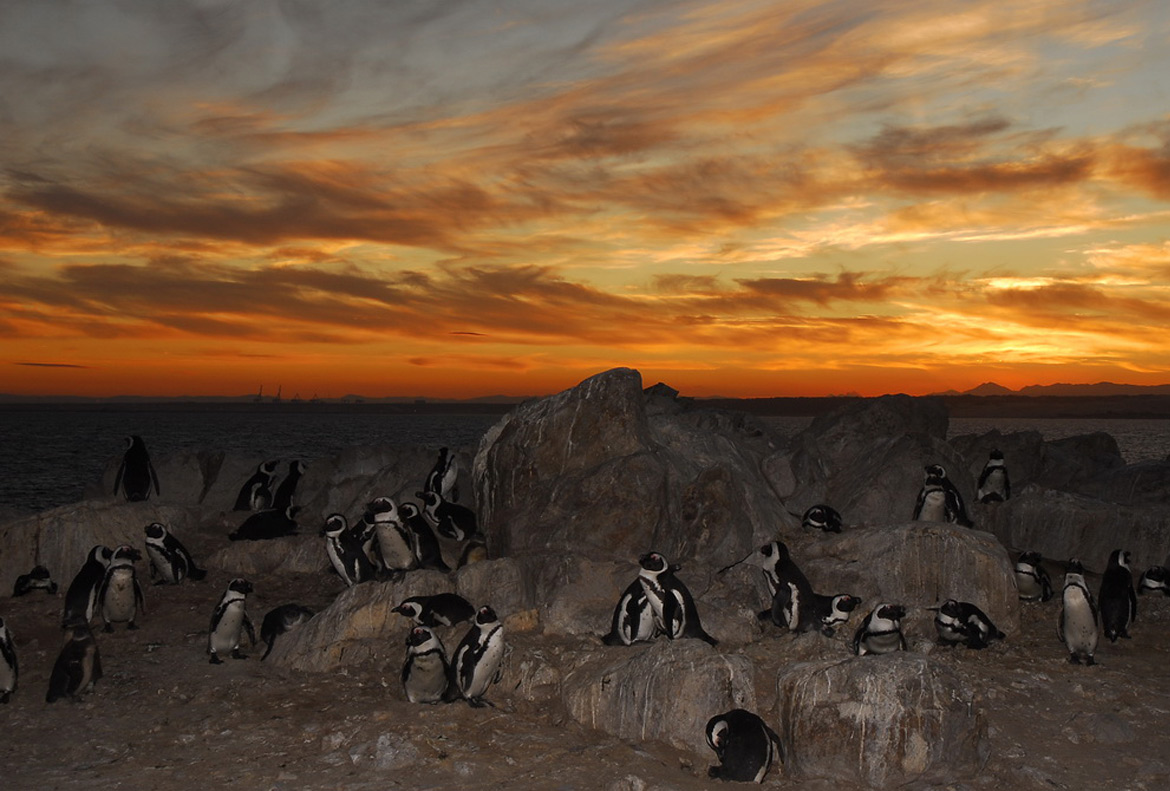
{"points": [[215, 660], [132, 625], [108, 628], [237, 654], [1074, 659], [1090, 661], [5, 696]]}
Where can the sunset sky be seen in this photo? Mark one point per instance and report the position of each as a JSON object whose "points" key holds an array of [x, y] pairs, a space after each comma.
{"points": [[451, 199]]}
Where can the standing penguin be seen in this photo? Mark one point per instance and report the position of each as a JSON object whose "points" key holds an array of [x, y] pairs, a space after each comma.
{"points": [[779, 569], [1155, 579], [82, 595], [279, 620], [395, 541], [1116, 597], [256, 493], [994, 485], [963, 622], [744, 744], [450, 520], [633, 618], [939, 500], [9, 667], [441, 609], [881, 631], [427, 552], [136, 474], [1032, 580], [169, 559], [1077, 626], [443, 477], [478, 662], [37, 579], [78, 666], [821, 517], [345, 551], [229, 621], [425, 673], [283, 498], [675, 613], [120, 594]]}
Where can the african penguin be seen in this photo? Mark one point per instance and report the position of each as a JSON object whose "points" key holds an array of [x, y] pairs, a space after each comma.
{"points": [[441, 609], [828, 612], [744, 744], [1032, 580], [37, 579], [9, 667], [963, 622], [256, 493], [229, 621], [674, 609], [443, 477], [1077, 626], [345, 551], [170, 561], [939, 500], [994, 486], [633, 618], [120, 594], [779, 568], [279, 620], [395, 540], [449, 519], [478, 662], [265, 525], [82, 595], [78, 666], [428, 554], [821, 517], [1155, 579], [881, 631], [136, 474], [283, 497], [425, 673], [1116, 598]]}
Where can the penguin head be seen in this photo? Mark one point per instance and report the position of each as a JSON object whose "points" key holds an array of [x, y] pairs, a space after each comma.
{"points": [[335, 524], [935, 471], [846, 603], [156, 530], [1119, 557], [996, 455], [381, 505], [950, 607], [1074, 566], [101, 554], [126, 553], [717, 728], [485, 615], [240, 585], [410, 608], [891, 612], [654, 562], [297, 467], [408, 510], [1029, 558], [268, 467], [419, 635]]}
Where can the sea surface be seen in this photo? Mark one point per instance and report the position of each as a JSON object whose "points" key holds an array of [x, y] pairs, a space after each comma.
{"points": [[49, 456]]}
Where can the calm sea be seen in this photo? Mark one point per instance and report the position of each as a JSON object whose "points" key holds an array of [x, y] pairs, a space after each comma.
{"points": [[49, 456]]}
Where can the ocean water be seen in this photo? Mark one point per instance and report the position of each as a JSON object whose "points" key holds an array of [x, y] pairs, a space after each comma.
{"points": [[50, 456]]}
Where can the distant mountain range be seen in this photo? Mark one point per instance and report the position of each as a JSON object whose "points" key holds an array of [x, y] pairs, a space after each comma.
{"points": [[1064, 390]]}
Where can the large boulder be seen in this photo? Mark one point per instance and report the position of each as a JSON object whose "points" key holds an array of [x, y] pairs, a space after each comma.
{"points": [[879, 721]]}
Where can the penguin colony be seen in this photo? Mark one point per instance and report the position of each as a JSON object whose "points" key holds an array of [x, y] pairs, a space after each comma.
{"points": [[390, 539]]}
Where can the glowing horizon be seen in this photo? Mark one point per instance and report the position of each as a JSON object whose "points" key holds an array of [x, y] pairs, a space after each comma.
{"points": [[745, 199]]}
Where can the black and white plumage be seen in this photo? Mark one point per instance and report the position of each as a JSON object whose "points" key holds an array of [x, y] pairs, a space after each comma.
{"points": [[256, 493], [822, 517], [450, 520], [282, 498], [881, 631], [994, 485], [136, 477], [963, 622], [441, 609], [427, 551], [78, 666], [266, 525], [395, 540], [633, 618], [280, 620], [37, 579], [443, 477], [346, 552], [170, 562], [478, 661], [1155, 579], [828, 612], [229, 621], [1116, 598], [1077, 626], [1032, 581], [426, 673], [82, 595], [939, 500], [675, 613], [120, 594], [779, 569], [744, 744], [9, 666]]}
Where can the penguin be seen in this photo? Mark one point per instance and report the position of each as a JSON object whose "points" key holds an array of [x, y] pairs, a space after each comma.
{"points": [[1032, 580], [279, 620], [345, 551], [425, 673], [478, 662], [9, 666], [881, 631], [37, 579], [779, 569], [170, 561], [450, 520], [994, 485], [1077, 626], [228, 622], [395, 541], [82, 595], [264, 525], [78, 666], [744, 744], [828, 612], [256, 493], [443, 477], [120, 594], [786, 606], [282, 499], [1155, 579], [1116, 598], [939, 500], [427, 552], [633, 618], [136, 474], [821, 517], [674, 609], [441, 609], [963, 622]]}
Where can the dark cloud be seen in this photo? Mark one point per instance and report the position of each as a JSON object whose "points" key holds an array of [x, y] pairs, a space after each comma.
{"points": [[52, 365]]}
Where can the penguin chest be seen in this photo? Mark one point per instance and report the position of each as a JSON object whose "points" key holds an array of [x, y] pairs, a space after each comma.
{"points": [[950, 629], [1028, 584], [425, 679], [119, 602], [165, 563], [225, 636], [636, 619], [1079, 623], [883, 642], [934, 506], [397, 552], [7, 675], [486, 667], [993, 485]]}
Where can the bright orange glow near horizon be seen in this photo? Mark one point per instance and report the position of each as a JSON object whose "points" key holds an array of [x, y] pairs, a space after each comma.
{"points": [[745, 198]]}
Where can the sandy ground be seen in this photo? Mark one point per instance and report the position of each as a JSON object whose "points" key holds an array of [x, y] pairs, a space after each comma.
{"points": [[162, 717]]}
